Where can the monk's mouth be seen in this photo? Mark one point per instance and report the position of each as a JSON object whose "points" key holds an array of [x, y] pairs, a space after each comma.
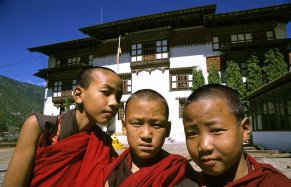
{"points": [[145, 148]]}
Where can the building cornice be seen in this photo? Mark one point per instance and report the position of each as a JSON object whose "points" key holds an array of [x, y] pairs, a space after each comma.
{"points": [[275, 13], [175, 19]]}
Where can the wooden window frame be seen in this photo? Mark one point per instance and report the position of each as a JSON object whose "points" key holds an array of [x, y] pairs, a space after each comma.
{"points": [[57, 89], [181, 81], [121, 111]]}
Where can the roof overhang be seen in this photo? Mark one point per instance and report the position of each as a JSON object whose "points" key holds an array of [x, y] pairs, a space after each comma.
{"points": [[176, 19], [68, 45], [277, 13], [284, 79]]}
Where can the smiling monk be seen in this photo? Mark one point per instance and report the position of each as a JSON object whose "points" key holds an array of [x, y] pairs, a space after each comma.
{"points": [[215, 128]]}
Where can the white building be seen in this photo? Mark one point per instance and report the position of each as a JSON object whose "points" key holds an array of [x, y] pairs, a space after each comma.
{"points": [[159, 52]]}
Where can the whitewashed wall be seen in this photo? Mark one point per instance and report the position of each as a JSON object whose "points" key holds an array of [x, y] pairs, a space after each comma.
{"points": [[49, 108], [186, 56]]}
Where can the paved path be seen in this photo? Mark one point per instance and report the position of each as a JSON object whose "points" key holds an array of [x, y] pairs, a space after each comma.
{"points": [[282, 164]]}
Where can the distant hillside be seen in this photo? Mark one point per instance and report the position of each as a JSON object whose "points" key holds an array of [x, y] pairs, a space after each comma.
{"points": [[18, 100]]}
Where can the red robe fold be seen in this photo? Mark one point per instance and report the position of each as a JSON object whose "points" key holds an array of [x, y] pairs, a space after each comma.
{"points": [[75, 161], [262, 175], [167, 172]]}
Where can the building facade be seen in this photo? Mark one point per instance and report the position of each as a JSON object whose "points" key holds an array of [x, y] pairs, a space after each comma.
{"points": [[160, 51], [271, 114]]}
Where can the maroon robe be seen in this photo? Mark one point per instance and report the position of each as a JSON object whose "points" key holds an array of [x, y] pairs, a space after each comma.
{"points": [[168, 171], [259, 175], [76, 160]]}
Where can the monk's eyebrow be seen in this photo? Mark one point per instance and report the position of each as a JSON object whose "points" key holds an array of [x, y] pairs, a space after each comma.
{"points": [[191, 126]]}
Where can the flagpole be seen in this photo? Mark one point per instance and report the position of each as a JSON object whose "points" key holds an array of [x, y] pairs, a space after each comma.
{"points": [[118, 54]]}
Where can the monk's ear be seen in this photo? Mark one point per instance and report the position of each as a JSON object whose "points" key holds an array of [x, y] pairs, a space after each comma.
{"points": [[169, 125], [246, 128], [123, 127], [77, 94]]}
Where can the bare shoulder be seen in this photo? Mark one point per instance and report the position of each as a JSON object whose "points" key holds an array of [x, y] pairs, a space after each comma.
{"points": [[29, 133], [31, 124], [22, 160]]}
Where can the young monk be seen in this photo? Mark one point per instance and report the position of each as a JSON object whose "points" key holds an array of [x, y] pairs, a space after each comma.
{"points": [[145, 163], [215, 129], [69, 150]]}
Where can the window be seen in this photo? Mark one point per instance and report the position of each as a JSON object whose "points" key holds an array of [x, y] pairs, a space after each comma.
{"points": [[243, 67], [126, 84], [74, 60], [270, 35], [181, 106], [215, 43], [149, 51], [136, 52], [121, 111], [181, 81], [58, 63], [241, 38], [74, 82], [57, 89], [161, 49], [91, 57]]}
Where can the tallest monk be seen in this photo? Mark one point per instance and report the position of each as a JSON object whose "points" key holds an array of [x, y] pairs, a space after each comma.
{"points": [[70, 149]]}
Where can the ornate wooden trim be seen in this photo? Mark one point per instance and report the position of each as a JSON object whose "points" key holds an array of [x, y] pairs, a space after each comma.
{"points": [[242, 28], [149, 66], [184, 70], [125, 76], [65, 94]]}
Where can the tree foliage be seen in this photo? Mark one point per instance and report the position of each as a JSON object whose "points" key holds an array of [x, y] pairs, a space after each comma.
{"points": [[198, 79], [213, 75], [3, 126], [254, 75], [274, 65], [233, 77]]}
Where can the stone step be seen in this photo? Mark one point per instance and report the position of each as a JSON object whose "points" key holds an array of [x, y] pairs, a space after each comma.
{"points": [[249, 148], [270, 155], [262, 151]]}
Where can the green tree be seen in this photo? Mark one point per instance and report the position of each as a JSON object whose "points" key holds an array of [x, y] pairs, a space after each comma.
{"points": [[3, 126], [233, 77], [3, 123], [254, 75], [198, 79], [213, 75], [274, 65], [68, 101]]}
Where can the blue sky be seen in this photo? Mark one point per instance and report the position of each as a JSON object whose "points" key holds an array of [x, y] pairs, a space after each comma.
{"points": [[30, 23]]}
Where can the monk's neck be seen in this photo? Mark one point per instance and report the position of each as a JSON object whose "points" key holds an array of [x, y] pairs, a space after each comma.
{"points": [[138, 163], [84, 123], [134, 168], [242, 169]]}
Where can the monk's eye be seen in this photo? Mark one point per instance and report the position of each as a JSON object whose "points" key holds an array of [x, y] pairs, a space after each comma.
{"points": [[105, 92], [217, 131], [191, 134], [158, 126], [136, 123]]}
